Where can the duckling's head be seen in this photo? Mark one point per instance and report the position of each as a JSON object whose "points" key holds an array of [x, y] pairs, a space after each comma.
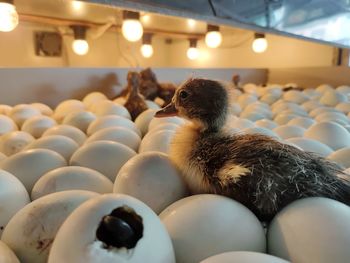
{"points": [[204, 102]]}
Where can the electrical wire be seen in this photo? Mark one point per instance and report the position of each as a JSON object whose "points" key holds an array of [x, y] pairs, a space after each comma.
{"points": [[212, 7]]}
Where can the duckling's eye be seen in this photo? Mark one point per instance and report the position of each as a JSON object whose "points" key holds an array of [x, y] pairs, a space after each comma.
{"points": [[183, 94]]}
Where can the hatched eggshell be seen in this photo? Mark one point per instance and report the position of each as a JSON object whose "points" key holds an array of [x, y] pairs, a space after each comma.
{"points": [[295, 96], [90, 99], [6, 254], [343, 107], [266, 123], [37, 125], [246, 99], [63, 145], [32, 230], [151, 105], [311, 230], [243, 257], [5, 109], [310, 145], [329, 133], [14, 142], [13, 197], [7, 125], [341, 156], [289, 131], [117, 134], [204, 225], [105, 157], [332, 98], [71, 178], [43, 108], [84, 246], [111, 121], [235, 109], [69, 131], [158, 141], [152, 178], [28, 166], [79, 119], [65, 107], [303, 122], [142, 121], [311, 105], [22, 112], [260, 130], [157, 121], [241, 123], [284, 118]]}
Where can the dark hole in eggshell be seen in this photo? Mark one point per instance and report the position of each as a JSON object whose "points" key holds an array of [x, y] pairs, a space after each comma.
{"points": [[121, 228]]}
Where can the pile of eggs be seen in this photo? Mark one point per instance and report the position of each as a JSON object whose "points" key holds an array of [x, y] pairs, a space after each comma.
{"points": [[68, 174]]}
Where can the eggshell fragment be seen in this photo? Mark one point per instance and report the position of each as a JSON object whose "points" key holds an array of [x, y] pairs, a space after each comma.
{"points": [[71, 178], [105, 157], [31, 231], [311, 230], [14, 142], [243, 257], [79, 119], [6, 254], [152, 178], [37, 125], [83, 245], [69, 131], [201, 226]]}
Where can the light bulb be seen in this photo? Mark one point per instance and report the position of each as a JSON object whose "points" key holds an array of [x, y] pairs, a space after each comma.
{"points": [[259, 44], [147, 50], [213, 39], [8, 17], [80, 47], [192, 53], [132, 29]]}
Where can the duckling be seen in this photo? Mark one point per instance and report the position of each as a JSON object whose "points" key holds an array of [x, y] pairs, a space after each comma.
{"points": [[135, 103], [236, 80], [262, 173]]}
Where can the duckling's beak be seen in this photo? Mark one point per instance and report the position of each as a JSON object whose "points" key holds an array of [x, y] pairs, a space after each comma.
{"points": [[167, 111]]}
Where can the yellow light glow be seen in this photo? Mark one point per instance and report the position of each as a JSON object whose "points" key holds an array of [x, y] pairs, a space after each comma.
{"points": [[132, 30], [213, 39], [145, 19], [259, 45], [80, 47], [191, 22], [147, 50], [192, 53], [8, 17], [77, 5]]}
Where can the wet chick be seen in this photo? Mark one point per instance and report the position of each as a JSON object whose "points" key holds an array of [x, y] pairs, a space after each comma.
{"points": [[135, 103], [256, 170], [149, 86]]}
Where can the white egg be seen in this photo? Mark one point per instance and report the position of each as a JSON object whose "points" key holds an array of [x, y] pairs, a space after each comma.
{"points": [[321, 110], [260, 130], [105, 157], [269, 98], [22, 112], [289, 131], [201, 226], [241, 123], [107, 107], [311, 230], [152, 105], [65, 107], [343, 107], [2, 156], [266, 123], [37, 125], [157, 121], [243, 257], [111, 121], [14, 142], [6, 254], [329, 133], [120, 100], [344, 89], [303, 122], [250, 88], [79, 119], [85, 236], [152, 178], [276, 90], [142, 121], [28, 166], [332, 116], [310, 145], [32, 230], [295, 96], [324, 87], [341, 156], [311, 105], [63, 145], [252, 115], [332, 98], [299, 112], [13, 197], [117, 134], [313, 94], [71, 178], [246, 99], [284, 118], [165, 126], [7, 125], [5, 109], [90, 99], [235, 108], [158, 141], [43, 108], [69, 131]]}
